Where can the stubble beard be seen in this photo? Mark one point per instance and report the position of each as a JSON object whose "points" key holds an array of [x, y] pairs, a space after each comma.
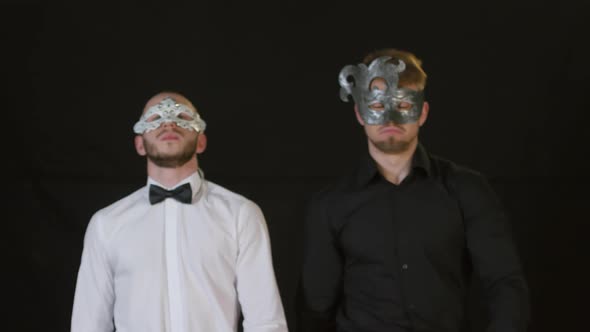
{"points": [[391, 145], [170, 160]]}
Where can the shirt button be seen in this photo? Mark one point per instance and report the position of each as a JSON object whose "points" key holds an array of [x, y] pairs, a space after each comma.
{"points": [[405, 266]]}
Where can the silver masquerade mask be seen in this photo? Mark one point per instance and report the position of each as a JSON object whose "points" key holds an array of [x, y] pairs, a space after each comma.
{"points": [[168, 110], [376, 106]]}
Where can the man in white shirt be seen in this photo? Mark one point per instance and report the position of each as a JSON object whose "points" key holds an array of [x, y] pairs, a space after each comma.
{"points": [[181, 254]]}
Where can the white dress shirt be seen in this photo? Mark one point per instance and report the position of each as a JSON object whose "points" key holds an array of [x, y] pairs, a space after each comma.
{"points": [[178, 267]]}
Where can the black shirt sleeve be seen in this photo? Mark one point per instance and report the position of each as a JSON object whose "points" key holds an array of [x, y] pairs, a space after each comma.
{"points": [[493, 252]]}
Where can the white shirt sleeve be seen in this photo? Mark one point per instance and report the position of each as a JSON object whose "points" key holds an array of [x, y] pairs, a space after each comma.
{"points": [[257, 289], [94, 296]]}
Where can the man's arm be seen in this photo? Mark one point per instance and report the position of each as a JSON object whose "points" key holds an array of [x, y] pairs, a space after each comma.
{"points": [[320, 285], [94, 298], [257, 289], [493, 254]]}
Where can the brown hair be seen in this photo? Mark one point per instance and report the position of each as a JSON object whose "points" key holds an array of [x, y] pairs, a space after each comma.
{"points": [[412, 75]]}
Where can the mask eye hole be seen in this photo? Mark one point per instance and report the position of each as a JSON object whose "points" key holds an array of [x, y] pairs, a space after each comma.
{"points": [[404, 105], [153, 118], [377, 107], [185, 116]]}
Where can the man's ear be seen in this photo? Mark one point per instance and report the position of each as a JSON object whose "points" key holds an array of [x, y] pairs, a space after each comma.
{"points": [[358, 115], [424, 115], [139, 147], [201, 142]]}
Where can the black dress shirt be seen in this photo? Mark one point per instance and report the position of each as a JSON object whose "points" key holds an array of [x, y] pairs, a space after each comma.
{"points": [[384, 257]]}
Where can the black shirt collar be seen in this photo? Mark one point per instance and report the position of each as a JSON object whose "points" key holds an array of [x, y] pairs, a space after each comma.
{"points": [[368, 167]]}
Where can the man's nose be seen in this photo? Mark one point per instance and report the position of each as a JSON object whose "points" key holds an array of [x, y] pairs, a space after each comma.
{"points": [[171, 124]]}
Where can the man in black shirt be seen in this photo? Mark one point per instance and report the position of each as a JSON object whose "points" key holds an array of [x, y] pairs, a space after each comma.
{"points": [[393, 246]]}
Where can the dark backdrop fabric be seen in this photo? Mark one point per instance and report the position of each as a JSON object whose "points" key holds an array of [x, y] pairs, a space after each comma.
{"points": [[508, 85]]}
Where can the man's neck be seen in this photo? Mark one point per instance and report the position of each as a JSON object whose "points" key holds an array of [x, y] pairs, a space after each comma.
{"points": [[394, 167], [170, 177]]}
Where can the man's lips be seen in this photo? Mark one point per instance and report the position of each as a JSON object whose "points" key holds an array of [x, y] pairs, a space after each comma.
{"points": [[169, 136], [391, 130]]}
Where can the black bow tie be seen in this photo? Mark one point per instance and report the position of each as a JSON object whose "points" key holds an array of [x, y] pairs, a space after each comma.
{"points": [[183, 194]]}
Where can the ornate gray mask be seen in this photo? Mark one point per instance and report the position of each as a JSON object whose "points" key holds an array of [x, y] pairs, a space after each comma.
{"points": [[168, 110], [376, 106]]}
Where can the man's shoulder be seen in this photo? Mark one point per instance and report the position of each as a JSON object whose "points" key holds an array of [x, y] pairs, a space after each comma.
{"points": [[218, 194], [108, 219], [444, 167], [123, 205], [336, 190], [459, 178]]}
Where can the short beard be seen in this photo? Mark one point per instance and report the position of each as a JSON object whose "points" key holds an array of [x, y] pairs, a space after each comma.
{"points": [[391, 146], [170, 160]]}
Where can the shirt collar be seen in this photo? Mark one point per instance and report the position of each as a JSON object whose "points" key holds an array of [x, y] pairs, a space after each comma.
{"points": [[196, 181], [368, 167]]}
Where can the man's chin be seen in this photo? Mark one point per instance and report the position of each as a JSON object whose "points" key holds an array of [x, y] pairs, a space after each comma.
{"points": [[165, 163], [170, 156], [171, 161], [391, 146]]}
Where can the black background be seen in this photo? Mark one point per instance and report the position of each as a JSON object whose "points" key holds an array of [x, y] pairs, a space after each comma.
{"points": [[508, 86]]}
